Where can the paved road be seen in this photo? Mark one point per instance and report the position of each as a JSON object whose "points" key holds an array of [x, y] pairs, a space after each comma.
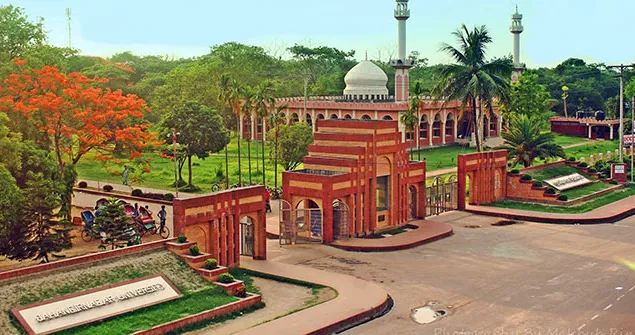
{"points": [[521, 279]]}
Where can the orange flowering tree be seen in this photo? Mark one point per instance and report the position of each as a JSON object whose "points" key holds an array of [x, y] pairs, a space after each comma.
{"points": [[77, 115]]}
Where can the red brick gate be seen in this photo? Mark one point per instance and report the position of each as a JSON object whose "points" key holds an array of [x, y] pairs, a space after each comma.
{"points": [[487, 173]]}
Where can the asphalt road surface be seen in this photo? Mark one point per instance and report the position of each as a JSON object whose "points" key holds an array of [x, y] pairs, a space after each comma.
{"points": [[525, 279]]}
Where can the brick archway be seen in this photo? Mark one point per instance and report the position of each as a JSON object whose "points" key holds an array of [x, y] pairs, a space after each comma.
{"points": [[487, 173]]}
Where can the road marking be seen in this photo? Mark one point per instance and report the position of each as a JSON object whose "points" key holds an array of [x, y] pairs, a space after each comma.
{"points": [[620, 297], [580, 328], [632, 288], [609, 306], [595, 316], [619, 225]]}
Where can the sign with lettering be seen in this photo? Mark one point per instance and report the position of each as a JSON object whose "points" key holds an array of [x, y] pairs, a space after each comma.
{"points": [[79, 308], [628, 140], [568, 182], [618, 172]]}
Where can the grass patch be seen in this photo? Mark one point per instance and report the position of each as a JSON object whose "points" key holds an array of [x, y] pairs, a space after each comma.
{"points": [[565, 140], [441, 158], [555, 171], [204, 171], [581, 191], [581, 208], [244, 275], [592, 148], [158, 314]]}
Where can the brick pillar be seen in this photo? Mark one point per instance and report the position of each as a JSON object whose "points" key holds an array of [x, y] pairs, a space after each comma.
{"points": [[461, 183], [178, 217]]}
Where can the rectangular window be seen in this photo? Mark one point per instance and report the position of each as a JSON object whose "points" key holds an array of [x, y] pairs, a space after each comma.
{"points": [[382, 193]]}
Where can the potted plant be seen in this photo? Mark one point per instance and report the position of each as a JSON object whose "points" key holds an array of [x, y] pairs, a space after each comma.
{"points": [[514, 171], [583, 166], [526, 178], [181, 239], [571, 161], [538, 185], [82, 184], [563, 197], [230, 284], [194, 250], [181, 245], [551, 192], [211, 264], [211, 271]]}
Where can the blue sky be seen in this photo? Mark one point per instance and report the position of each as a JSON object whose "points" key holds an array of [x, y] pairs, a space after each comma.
{"points": [[597, 31]]}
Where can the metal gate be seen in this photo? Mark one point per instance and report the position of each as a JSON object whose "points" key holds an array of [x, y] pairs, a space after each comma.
{"points": [[341, 218], [442, 196], [246, 236], [299, 225]]}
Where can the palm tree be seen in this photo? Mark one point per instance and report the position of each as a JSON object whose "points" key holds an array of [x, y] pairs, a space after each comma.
{"points": [[230, 92], [263, 101], [409, 119], [416, 91], [246, 110], [224, 97], [525, 142], [275, 120], [473, 80]]}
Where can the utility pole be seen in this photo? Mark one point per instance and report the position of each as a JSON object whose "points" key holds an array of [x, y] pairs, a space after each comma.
{"points": [[68, 16], [176, 174], [621, 67]]}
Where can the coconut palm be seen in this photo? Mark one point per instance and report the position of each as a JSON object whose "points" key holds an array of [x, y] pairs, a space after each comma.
{"points": [[224, 97], [525, 142], [275, 120], [416, 91], [473, 80], [408, 118], [263, 102], [246, 111]]}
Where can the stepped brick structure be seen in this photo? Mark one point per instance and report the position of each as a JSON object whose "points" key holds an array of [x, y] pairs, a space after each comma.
{"points": [[225, 224], [361, 166]]}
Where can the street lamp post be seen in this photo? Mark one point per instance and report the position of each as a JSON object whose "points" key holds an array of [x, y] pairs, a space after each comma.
{"points": [[565, 95]]}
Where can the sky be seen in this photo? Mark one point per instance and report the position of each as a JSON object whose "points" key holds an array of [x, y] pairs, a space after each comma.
{"points": [[597, 31]]}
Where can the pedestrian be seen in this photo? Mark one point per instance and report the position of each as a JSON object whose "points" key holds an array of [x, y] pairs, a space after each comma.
{"points": [[125, 174], [162, 215], [135, 212], [268, 201], [148, 210]]}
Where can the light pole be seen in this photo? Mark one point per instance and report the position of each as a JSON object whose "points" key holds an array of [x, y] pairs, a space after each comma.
{"points": [[176, 176], [565, 95]]}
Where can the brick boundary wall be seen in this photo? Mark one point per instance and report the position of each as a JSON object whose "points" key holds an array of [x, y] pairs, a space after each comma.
{"points": [[82, 260], [571, 202], [109, 195], [251, 300]]}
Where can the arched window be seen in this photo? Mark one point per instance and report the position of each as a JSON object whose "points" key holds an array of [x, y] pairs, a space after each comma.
{"points": [[348, 116], [423, 127], [366, 117], [307, 117], [294, 118], [320, 117], [387, 118], [449, 125], [436, 126], [334, 116]]}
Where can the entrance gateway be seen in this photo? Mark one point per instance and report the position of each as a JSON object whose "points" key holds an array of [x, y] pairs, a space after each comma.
{"points": [[442, 196]]}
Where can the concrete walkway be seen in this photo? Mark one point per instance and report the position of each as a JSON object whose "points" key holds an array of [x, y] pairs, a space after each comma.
{"points": [[358, 301], [128, 188], [607, 214], [428, 231]]}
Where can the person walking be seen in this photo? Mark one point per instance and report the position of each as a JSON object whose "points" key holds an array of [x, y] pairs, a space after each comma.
{"points": [[125, 174], [268, 201]]}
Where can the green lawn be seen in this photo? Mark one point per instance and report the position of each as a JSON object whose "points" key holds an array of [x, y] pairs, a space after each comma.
{"points": [[582, 208], [565, 140], [189, 304], [592, 148], [204, 170], [565, 170], [441, 158]]}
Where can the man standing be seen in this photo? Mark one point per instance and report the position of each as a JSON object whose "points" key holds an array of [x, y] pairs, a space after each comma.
{"points": [[125, 174]]}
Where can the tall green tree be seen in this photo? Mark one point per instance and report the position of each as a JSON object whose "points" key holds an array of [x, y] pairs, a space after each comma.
{"points": [[230, 93], [293, 144], [276, 119], [528, 97], [409, 118], [416, 91], [263, 102], [18, 33], [473, 80], [117, 228], [202, 131], [525, 141]]}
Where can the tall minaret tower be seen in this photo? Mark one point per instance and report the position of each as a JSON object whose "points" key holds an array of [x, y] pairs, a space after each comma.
{"points": [[401, 64], [516, 29]]}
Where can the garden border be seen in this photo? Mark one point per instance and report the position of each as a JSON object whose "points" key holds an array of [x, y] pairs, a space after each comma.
{"points": [[119, 195]]}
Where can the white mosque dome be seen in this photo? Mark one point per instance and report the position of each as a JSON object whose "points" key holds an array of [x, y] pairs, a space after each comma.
{"points": [[366, 81]]}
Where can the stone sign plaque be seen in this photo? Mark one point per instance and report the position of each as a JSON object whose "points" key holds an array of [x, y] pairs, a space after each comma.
{"points": [[568, 182], [79, 308]]}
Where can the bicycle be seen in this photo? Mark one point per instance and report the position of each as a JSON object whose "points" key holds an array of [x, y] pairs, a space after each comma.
{"points": [[219, 186]]}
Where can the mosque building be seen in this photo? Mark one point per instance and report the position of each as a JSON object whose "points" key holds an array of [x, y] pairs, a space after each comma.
{"points": [[366, 97]]}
